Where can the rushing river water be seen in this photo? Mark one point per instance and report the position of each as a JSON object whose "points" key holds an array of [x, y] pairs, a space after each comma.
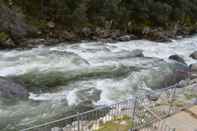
{"points": [[61, 78]]}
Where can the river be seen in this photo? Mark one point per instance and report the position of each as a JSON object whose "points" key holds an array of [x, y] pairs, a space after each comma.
{"points": [[62, 77]]}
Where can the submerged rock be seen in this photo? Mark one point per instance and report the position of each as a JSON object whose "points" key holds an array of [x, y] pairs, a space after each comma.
{"points": [[11, 89], [177, 58]]}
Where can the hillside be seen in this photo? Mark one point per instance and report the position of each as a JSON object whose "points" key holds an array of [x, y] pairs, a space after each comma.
{"points": [[70, 20]]}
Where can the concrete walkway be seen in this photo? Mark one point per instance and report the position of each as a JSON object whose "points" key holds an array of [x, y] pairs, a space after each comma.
{"points": [[186, 120]]}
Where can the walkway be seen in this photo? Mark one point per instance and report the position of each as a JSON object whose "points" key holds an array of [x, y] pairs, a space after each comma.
{"points": [[184, 121]]}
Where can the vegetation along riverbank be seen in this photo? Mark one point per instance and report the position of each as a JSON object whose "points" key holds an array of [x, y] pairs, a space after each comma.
{"points": [[30, 23]]}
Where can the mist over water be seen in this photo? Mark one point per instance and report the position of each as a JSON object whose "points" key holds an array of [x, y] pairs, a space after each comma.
{"points": [[62, 77]]}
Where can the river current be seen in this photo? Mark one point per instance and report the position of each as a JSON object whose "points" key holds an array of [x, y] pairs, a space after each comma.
{"points": [[60, 78]]}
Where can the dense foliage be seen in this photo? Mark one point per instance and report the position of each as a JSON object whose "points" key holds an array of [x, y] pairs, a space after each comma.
{"points": [[130, 16]]}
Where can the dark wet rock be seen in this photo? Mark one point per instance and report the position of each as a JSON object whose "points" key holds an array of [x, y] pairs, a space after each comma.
{"points": [[194, 55], [11, 89], [177, 58]]}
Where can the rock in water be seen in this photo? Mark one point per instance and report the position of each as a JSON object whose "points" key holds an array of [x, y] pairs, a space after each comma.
{"points": [[137, 53], [194, 55], [11, 89], [177, 58]]}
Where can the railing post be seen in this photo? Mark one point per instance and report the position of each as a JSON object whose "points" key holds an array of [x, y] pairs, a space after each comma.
{"points": [[172, 99], [134, 111], [78, 121]]}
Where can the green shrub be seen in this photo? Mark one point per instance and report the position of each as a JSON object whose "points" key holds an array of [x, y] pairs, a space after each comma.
{"points": [[125, 15], [40, 24], [3, 36]]}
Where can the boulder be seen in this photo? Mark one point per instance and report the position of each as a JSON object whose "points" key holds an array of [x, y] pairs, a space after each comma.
{"points": [[13, 23], [177, 58], [11, 89], [194, 55]]}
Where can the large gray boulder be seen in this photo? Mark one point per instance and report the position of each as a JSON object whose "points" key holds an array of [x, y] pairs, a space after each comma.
{"points": [[11, 89], [194, 55]]}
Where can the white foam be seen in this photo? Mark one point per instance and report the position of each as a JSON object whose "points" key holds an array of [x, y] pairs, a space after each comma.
{"points": [[72, 98], [21, 61], [49, 96]]}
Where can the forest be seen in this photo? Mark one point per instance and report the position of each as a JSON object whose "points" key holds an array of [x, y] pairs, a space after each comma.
{"points": [[89, 19]]}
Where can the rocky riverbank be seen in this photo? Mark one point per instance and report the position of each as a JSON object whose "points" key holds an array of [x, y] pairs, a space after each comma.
{"points": [[17, 30]]}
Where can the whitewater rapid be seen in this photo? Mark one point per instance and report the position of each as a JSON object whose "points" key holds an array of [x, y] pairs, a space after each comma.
{"points": [[95, 52], [15, 62], [59, 77]]}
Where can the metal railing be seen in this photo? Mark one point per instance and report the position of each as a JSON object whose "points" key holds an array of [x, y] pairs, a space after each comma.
{"points": [[90, 120], [142, 113]]}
